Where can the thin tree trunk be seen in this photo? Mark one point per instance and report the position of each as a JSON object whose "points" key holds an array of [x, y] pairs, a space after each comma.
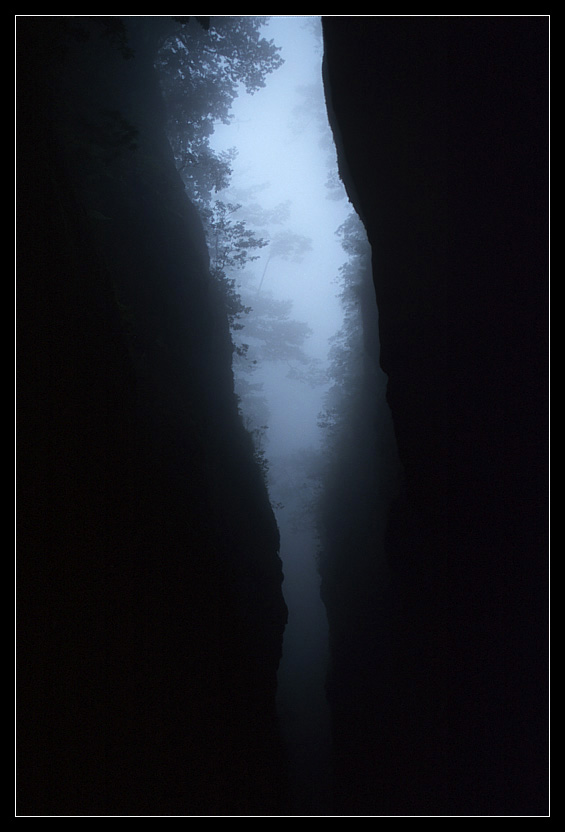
{"points": [[264, 272]]}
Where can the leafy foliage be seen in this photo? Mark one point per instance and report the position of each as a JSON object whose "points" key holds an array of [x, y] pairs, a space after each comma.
{"points": [[230, 240], [230, 243], [286, 245], [274, 335], [310, 114], [347, 348], [204, 172], [296, 485], [201, 71]]}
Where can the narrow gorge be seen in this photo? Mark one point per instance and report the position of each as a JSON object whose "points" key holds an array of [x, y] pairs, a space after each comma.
{"points": [[282, 416]]}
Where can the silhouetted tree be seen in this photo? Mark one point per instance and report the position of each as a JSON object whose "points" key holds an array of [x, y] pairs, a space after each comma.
{"points": [[286, 245], [201, 71], [230, 244], [347, 347]]}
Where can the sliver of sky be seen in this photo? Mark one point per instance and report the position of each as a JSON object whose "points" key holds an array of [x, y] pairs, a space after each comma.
{"points": [[282, 148]]}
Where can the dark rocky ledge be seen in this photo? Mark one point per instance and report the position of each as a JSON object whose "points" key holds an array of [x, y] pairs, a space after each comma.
{"points": [[440, 706], [150, 611]]}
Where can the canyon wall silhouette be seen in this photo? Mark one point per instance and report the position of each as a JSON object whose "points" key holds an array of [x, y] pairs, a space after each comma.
{"points": [[439, 683], [150, 612]]}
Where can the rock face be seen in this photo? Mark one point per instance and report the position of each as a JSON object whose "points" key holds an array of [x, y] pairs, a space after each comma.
{"points": [[440, 703], [150, 606]]}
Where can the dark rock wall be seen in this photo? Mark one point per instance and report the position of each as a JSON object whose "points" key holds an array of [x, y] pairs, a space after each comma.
{"points": [[441, 127], [150, 612]]}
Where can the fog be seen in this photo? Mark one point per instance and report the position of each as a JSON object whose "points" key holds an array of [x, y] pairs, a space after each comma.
{"points": [[286, 156], [211, 415]]}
